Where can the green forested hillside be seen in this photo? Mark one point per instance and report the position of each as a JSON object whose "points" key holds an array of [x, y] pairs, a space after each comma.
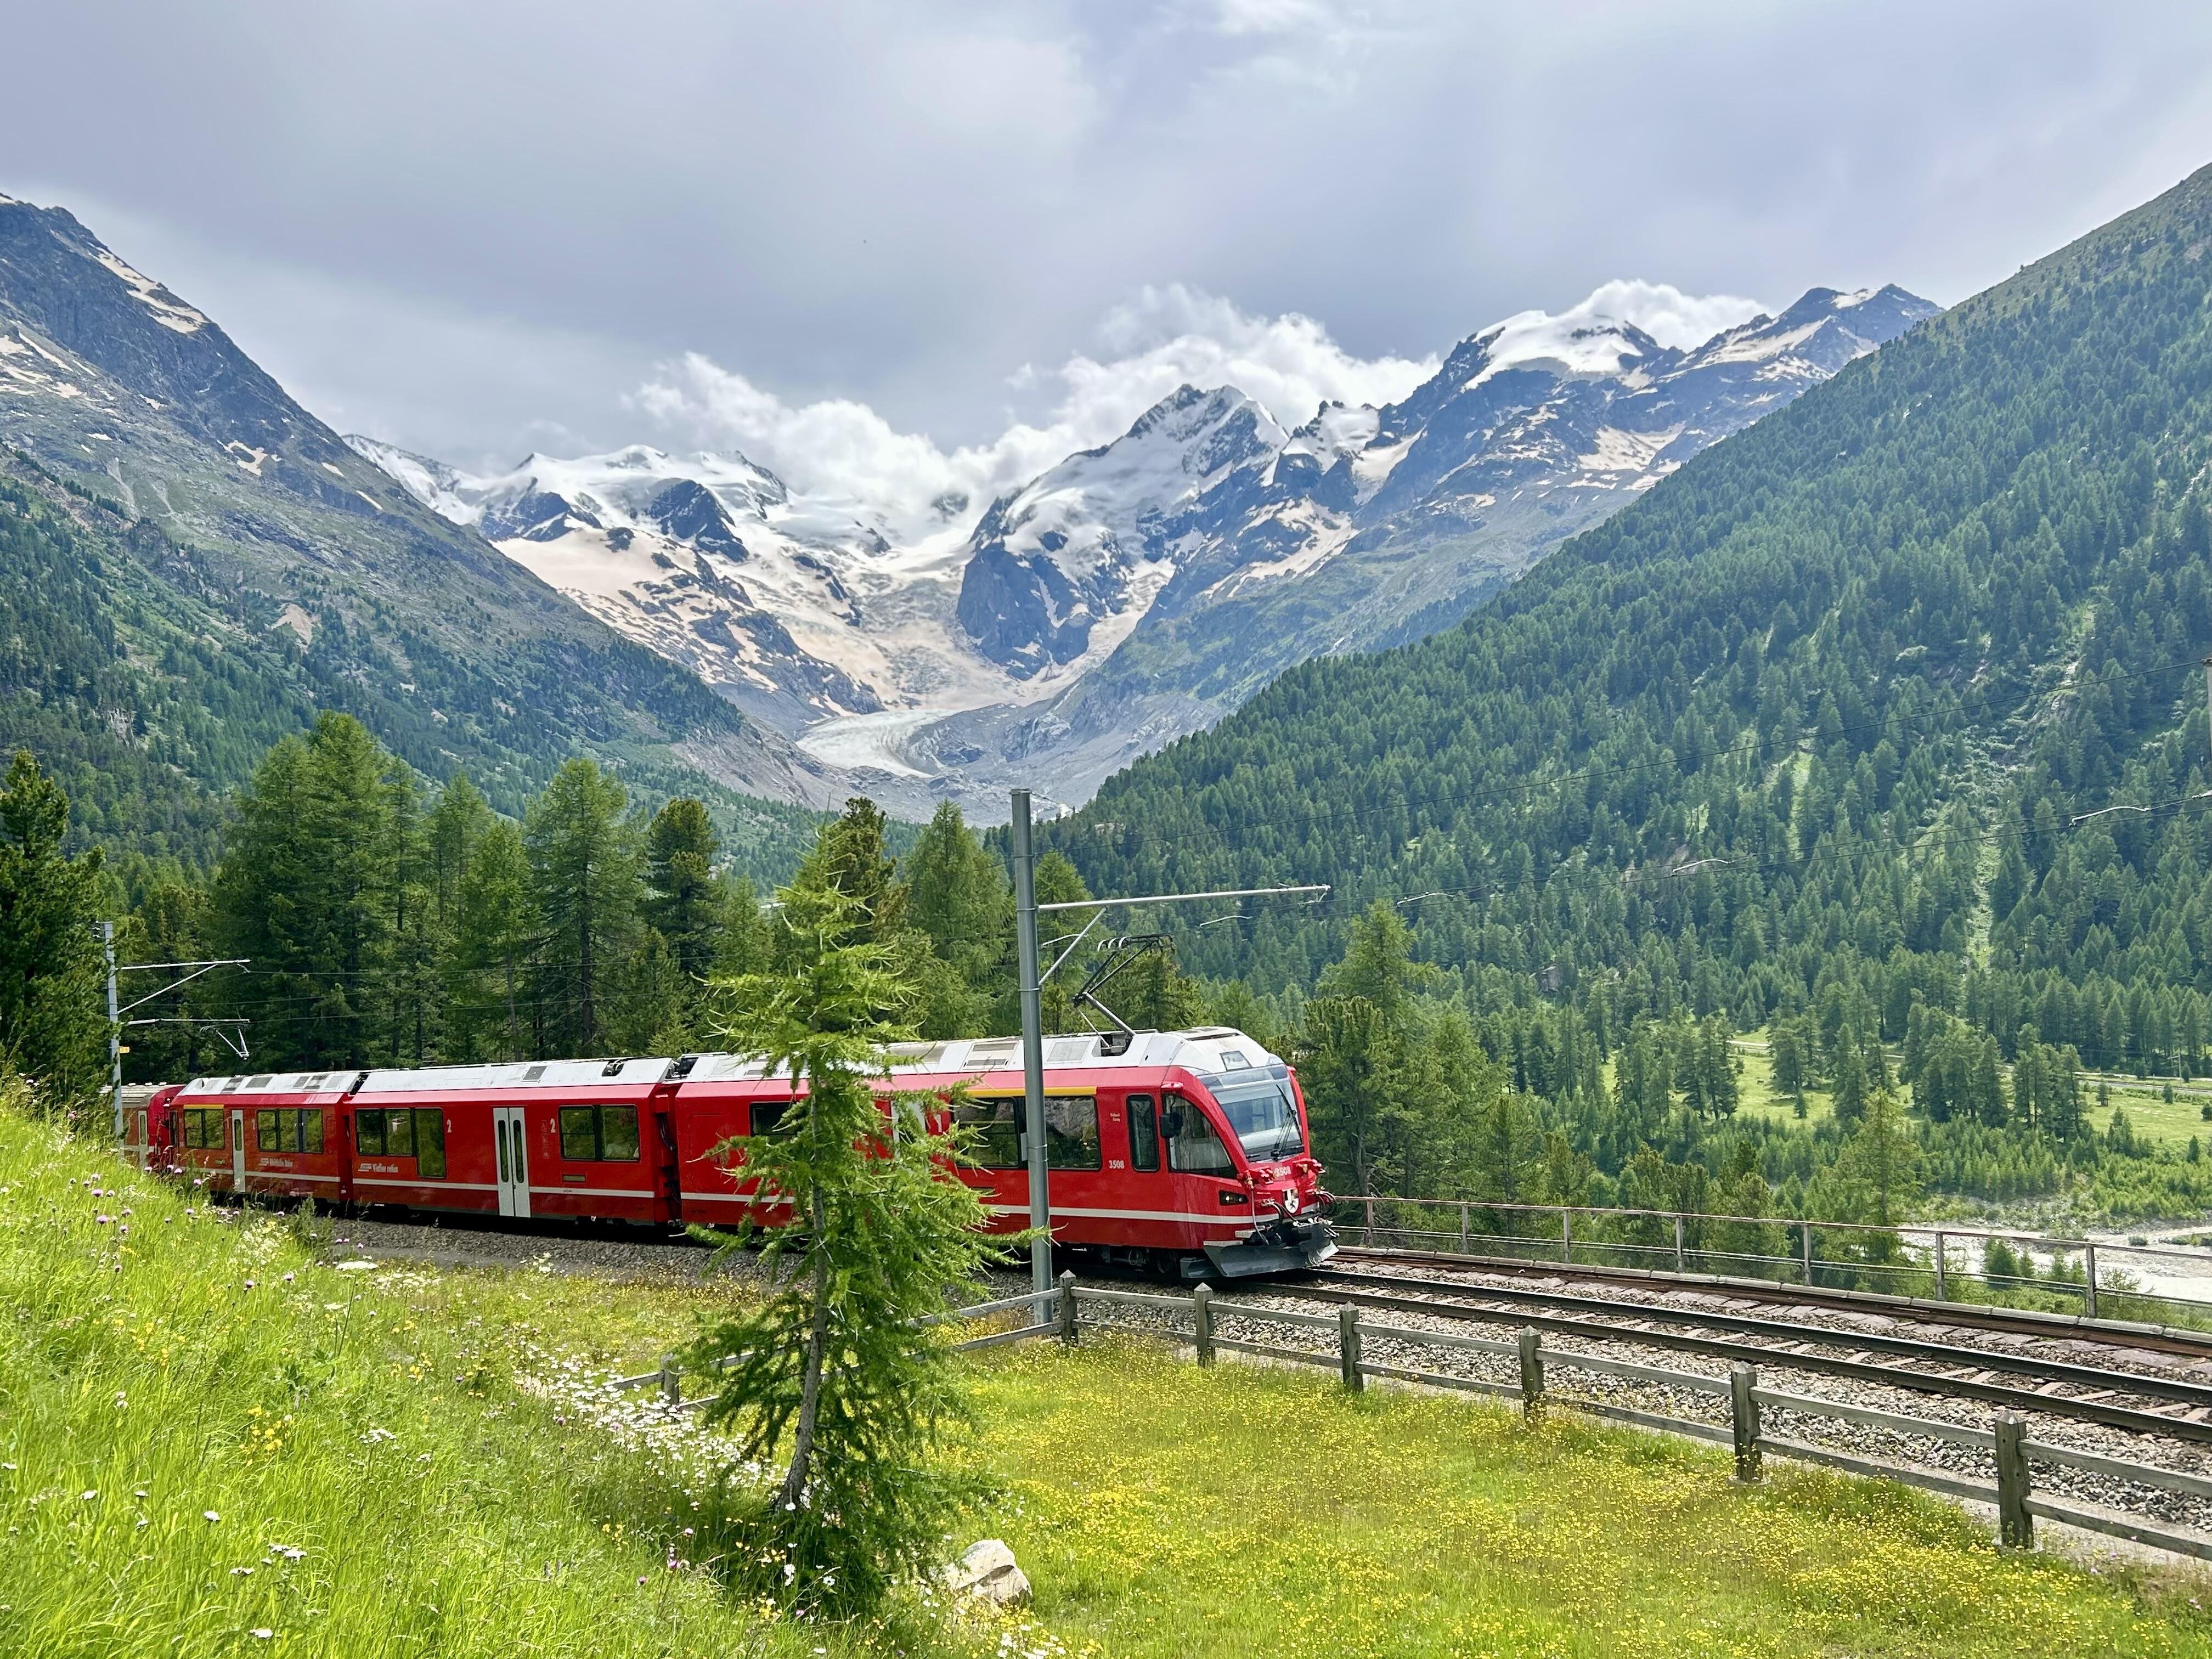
{"points": [[1808, 729], [151, 686]]}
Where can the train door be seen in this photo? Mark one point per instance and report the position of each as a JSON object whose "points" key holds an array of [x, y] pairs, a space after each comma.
{"points": [[237, 1152], [1202, 1176], [514, 1157]]}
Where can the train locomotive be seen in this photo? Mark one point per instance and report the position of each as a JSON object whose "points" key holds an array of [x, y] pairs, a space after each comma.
{"points": [[1185, 1152]]}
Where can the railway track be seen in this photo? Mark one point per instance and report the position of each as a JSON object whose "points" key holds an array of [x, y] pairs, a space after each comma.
{"points": [[2024, 1321], [2139, 1401]]}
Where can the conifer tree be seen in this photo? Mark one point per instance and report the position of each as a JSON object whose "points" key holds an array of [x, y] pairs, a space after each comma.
{"points": [[583, 867], [53, 1025], [834, 1379], [685, 904], [495, 937]]}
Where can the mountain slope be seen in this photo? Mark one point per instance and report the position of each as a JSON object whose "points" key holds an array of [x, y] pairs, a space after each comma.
{"points": [[1811, 719], [452, 654]]}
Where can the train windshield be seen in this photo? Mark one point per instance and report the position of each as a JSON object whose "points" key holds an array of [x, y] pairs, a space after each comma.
{"points": [[1261, 1115]]}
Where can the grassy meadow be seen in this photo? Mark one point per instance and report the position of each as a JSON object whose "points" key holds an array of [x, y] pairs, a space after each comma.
{"points": [[217, 1440]]}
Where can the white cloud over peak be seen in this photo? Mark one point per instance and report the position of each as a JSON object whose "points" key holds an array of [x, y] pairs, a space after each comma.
{"points": [[840, 449]]}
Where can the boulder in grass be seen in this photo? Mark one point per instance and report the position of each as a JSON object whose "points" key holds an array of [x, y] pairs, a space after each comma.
{"points": [[987, 1570]]}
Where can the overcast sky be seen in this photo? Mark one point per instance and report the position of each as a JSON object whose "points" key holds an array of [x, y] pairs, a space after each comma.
{"points": [[892, 244]]}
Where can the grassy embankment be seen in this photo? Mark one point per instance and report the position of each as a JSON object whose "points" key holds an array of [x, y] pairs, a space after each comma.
{"points": [[406, 1462]]}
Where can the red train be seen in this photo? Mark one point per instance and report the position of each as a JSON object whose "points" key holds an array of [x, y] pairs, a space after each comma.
{"points": [[1180, 1151]]}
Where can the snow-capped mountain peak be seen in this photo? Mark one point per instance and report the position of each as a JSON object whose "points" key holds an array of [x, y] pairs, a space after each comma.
{"points": [[1225, 545]]}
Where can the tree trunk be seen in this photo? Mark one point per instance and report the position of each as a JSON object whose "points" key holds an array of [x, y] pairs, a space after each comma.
{"points": [[810, 1398]]}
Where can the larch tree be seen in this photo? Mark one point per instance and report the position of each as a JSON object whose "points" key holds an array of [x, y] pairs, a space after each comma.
{"points": [[832, 1377], [496, 935], [53, 1023], [583, 865]]}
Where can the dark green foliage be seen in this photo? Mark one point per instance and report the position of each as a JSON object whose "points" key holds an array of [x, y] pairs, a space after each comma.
{"points": [[53, 1023], [584, 868]]}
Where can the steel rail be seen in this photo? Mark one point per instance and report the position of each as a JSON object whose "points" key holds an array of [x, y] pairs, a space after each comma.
{"points": [[1906, 1348], [2019, 1321], [1772, 1353]]}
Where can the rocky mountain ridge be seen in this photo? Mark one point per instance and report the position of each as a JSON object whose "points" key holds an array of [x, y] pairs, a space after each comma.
{"points": [[1138, 591]]}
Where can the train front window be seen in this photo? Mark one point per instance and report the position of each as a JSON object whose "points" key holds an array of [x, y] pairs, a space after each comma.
{"points": [[1260, 1112], [1192, 1147]]}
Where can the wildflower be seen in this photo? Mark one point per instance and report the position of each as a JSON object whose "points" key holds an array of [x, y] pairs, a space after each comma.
{"points": [[210, 1515], [89, 1496], [262, 1632], [241, 1572], [249, 1283]]}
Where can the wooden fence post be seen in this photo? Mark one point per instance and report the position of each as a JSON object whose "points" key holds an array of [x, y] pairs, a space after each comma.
{"points": [[2015, 1526], [1067, 1308], [1566, 1235], [1743, 1417], [1348, 1347], [1532, 1374], [1680, 1264], [1805, 1234], [1462, 1230], [1202, 1312], [1941, 1250], [1369, 1237], [2089, 1294], [672, 1381]]}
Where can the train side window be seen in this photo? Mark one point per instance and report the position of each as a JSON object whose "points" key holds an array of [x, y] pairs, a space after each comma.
{"points": [[368, 1133], [203, 1129], [1192, 1147], [619, 1135], [1071, 1132], [1144, 1134], [429, 1141], [399, 1135], [998, 1142], [309, 1131], [764, 1114], [599, 1134], [269, 1131]]}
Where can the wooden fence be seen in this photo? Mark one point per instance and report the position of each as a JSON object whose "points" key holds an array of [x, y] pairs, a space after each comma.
{"points": [[2013, 1455]]}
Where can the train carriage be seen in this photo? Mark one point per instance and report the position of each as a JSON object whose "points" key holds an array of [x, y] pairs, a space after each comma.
{"points": [[277, 1134], [1185, 1150], [566, 1137]]}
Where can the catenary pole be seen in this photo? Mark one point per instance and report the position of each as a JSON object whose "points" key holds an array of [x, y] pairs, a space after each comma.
{"points": [[1032, 989], [114, 1028]]}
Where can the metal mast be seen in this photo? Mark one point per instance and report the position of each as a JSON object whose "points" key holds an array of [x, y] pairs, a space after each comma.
{"points": [[1028, 956], [1032, 999]]}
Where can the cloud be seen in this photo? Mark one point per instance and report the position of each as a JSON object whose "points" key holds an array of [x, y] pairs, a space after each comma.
{"points": [[841, 449]]}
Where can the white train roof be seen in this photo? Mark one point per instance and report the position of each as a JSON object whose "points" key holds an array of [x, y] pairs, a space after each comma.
{"points": [[1210, 1049], [537, 1074], [272, 1083]]}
